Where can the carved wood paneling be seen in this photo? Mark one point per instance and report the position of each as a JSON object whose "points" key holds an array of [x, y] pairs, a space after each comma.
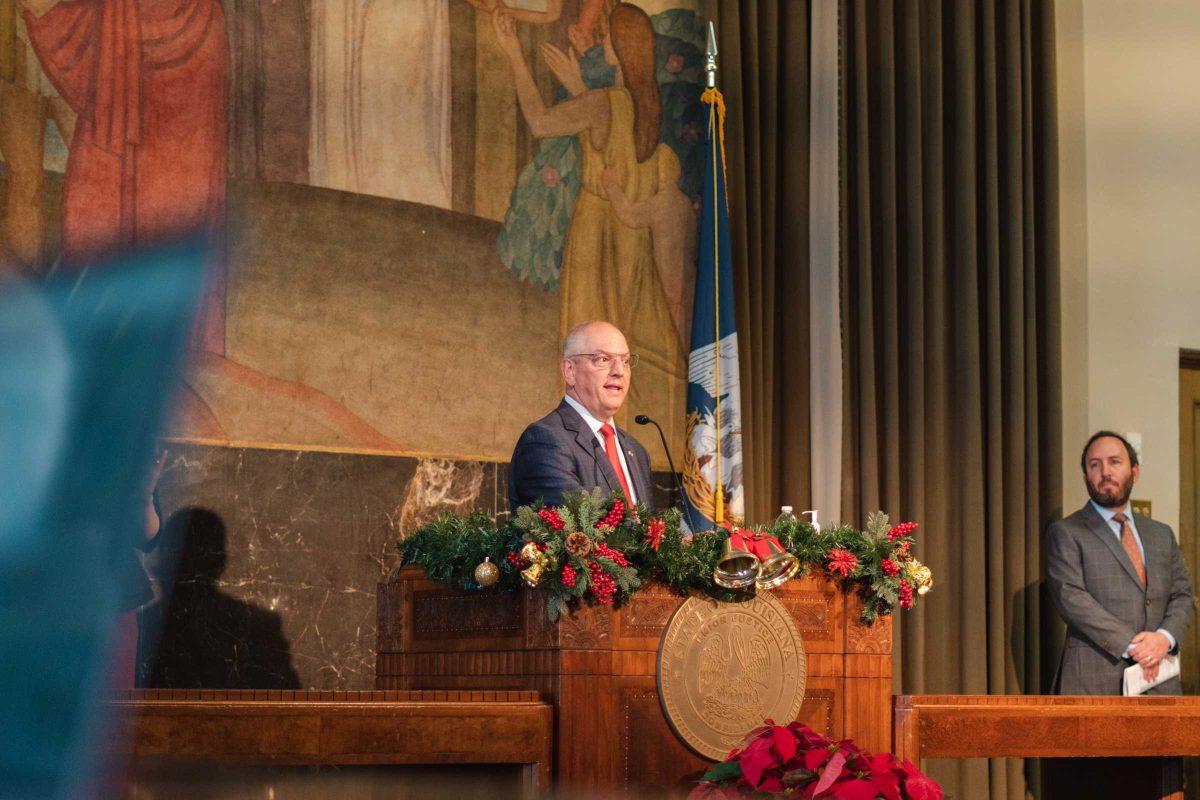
{"points": [[647, 612], [817, 712], [815, 614], [862, 638], [588, 628], [389, 610], [652, 755], [464, 615]]}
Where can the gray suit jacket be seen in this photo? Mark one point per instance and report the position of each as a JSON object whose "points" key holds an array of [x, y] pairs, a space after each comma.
{"points": [[559, 453], [1096, 589]]}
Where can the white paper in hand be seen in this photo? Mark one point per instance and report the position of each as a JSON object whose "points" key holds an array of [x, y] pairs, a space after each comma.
{"points": [[1135, 676]]}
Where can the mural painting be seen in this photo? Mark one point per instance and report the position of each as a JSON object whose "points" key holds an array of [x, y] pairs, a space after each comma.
{"points": [[413, 200]]}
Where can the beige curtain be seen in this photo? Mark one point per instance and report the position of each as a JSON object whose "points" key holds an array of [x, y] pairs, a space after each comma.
{"points": [[951, 340], [764, 74]]}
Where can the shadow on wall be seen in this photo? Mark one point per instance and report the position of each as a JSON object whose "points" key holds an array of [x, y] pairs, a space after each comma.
{"points": [[207, 639]]}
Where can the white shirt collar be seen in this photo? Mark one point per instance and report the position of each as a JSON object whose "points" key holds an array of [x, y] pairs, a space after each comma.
{"points": [[588, 417], [1109, 513]]}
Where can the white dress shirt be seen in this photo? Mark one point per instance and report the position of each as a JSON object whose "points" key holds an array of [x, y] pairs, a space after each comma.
{"points": [[1108, 514], [595, 425]]}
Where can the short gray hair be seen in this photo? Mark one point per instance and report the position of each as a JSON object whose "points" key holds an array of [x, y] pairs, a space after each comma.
{"points": [[574, 338]]}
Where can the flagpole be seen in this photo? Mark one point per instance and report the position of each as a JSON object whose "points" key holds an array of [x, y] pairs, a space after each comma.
{"points": [[714, 127]]}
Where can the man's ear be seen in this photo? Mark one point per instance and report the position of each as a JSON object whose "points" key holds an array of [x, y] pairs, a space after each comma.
{"points": [[567, 368], [1136, 469]]}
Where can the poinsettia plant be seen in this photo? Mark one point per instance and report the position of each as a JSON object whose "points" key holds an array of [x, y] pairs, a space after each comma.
{"points": [[796, 761]]}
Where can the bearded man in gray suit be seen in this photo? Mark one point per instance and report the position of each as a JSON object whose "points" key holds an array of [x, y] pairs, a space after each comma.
{"points": [[1117, 578]]}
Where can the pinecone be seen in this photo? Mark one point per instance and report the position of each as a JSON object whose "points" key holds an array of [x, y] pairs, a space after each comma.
{"points": [[578, 544]]}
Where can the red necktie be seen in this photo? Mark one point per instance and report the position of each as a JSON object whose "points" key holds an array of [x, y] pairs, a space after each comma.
{"points": [[614, 458], [1131, 548]]}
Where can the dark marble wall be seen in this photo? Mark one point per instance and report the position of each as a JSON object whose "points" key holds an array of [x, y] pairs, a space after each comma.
{"points": [[267, 560]]}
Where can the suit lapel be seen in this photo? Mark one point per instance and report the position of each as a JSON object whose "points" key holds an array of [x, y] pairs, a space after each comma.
{"points": [[586, 439], [1098, 526], [641, 481]]}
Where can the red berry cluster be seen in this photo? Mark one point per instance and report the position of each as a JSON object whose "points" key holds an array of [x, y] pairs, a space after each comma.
{"points": [[906, 594], [602, 585], [890, 568], [615, 515], [551, 518], [568, 576], [901, 530], [616, 556]]}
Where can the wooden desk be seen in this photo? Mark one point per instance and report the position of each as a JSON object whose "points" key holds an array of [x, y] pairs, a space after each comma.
{"points": [[256, 727], [1022, 726]]}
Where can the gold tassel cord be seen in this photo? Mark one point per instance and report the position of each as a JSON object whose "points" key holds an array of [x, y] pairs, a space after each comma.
{"points": [[716, 130]]}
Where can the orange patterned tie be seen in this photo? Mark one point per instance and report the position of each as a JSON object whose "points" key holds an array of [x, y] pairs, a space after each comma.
{"points": [[614, 458], [1131, 548]]}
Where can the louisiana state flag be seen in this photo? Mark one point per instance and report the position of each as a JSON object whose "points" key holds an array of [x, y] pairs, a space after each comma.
{"points": [[712, 469]]}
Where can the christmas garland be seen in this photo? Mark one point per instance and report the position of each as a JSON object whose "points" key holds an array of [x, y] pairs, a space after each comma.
{"points": [[596, 549]]}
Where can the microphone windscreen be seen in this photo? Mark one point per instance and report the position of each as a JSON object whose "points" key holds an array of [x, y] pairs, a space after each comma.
{"points": [[642, 419]]}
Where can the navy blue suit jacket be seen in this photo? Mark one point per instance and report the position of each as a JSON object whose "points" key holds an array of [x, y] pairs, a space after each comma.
{"points": [[560, 453]]}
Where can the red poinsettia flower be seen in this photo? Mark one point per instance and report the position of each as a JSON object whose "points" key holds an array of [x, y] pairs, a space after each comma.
{"points": [[756, 759], [918, 786], [783, 742], [816, 758], [885, 775], [832, 771], [857, 789], [842, 562], [807, 737]]}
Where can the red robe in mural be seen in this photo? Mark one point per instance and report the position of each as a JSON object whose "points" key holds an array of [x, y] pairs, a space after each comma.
{"points": [[149, 80]]}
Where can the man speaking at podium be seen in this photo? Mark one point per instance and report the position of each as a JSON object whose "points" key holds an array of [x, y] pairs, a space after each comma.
{"points": [[577, 446], [1117, 578]]}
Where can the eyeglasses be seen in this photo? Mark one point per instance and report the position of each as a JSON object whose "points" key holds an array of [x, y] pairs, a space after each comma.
{"points": [[604, 360]]}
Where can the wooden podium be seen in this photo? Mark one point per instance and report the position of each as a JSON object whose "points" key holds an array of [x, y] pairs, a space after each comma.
{"points": [[597, 667]]}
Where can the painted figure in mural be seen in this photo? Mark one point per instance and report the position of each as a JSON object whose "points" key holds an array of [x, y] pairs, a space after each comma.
{"points": [[27, 102], [608, 268], [381, 98], [543, 201], [148, 80]]}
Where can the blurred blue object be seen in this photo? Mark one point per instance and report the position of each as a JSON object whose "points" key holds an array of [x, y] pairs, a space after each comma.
{"points": [[88, 364]]}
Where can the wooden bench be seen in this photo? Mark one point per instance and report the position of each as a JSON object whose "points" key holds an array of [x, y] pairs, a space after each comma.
{"points": [[315, 728], [1028, 726]]}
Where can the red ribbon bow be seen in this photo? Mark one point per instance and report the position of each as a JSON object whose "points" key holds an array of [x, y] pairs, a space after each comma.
{"points": [[755, 542]]}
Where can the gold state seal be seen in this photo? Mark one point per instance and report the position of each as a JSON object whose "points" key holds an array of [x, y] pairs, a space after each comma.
{"points": [[725, 667]]}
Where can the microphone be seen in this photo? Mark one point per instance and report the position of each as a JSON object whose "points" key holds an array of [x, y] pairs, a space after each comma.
{"points": [[642, 419]]}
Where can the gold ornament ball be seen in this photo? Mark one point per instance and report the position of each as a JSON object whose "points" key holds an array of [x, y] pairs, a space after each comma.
{"points": [[487, 573]]}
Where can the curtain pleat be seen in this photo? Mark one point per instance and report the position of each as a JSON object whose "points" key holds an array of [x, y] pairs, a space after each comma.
{"points": [[949, 259], [764, 74]]}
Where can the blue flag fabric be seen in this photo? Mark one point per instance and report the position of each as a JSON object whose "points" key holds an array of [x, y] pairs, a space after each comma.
{"points": [[712, 472], [87, 364]]}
